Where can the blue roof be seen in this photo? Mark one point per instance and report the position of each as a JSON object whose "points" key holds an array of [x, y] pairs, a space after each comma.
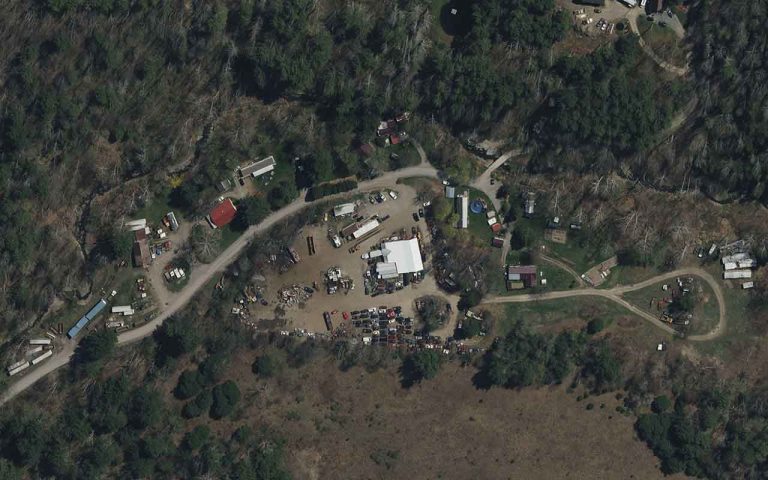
{"points": [[95, 310]]}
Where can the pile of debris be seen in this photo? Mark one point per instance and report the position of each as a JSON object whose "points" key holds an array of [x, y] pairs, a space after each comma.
{"points": [[336, 280], [294, 295]]}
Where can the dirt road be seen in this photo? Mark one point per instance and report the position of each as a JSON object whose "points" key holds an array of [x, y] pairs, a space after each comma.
{"points": [[564, 266], [205, 273], [614, 294], [632, 18], [483, 182]]}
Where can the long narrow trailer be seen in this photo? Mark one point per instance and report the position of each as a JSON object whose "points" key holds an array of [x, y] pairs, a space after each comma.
{"points": [[95, 310]]}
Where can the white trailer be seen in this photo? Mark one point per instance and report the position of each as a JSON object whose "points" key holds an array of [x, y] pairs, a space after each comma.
{"points": [[734, 274], [117, 324], [734, 258], [747, 263], [20, 368], [730, 266], [40, 341], [122, 309], [37, 349], [747, 285], [42, 357], [18, 364]]}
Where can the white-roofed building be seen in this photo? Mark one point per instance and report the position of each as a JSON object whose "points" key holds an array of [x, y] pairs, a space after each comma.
{"points": [[259, 168], [405, 254], [343, 209], [366, 228]]}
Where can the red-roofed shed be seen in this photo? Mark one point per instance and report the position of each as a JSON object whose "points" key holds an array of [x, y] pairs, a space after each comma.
{"points": [[222, 214]]}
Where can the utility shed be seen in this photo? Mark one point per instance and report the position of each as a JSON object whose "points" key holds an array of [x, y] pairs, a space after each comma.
{"points": [[343, 209]]}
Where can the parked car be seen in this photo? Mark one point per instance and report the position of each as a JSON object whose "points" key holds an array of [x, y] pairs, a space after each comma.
{"points": [[393, 194], [421, 213], [345, 315], [415, 217]]}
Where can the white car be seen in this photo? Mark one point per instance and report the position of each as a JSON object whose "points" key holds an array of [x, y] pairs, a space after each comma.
{"points": [[393, 194]]}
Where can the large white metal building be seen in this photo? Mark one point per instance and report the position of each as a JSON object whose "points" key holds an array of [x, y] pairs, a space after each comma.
{"points": [[404, 254]]}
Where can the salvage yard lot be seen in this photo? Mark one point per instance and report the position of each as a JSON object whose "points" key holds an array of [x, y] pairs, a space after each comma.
{"points": [[312, 268]]}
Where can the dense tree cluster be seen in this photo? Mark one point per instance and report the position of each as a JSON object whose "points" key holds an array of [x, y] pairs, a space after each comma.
{"points": [[603, 104], [729, 143], [524, 358], [711, 432]]}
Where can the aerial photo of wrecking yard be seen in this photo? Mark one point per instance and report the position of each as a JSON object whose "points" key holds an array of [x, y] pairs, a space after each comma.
{"points": [[428, 239]]}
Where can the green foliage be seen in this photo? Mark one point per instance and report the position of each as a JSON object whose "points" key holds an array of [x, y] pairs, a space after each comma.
{"points": [[176, 337], [212, 368], [196, 438], [147, 408], [200, 405], [23, 439], [469, 299], [596, 325], [525, 358], [251, 211], [661, 404], [190, 384], [604, 104], [604, 367], [327, 189], [107, 404], [225, 398], [268, 365], [96, 347], [420, 365]]}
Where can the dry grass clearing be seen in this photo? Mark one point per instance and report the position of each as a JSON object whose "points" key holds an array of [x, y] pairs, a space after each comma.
{"points": [[358, 425]]}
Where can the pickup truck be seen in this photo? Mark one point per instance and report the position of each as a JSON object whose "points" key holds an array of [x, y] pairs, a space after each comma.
{"points": [[328, 322]]}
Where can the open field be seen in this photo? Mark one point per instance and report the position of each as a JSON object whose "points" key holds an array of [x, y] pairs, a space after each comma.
{"points": [[365, 425]]}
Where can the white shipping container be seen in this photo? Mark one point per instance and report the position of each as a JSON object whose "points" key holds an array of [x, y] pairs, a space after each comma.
{"points": [[128, 313], [733, 274], [37, 349], [734, 258], [20, 368], [42, 357], [747, 263], [40, 341], [747, 285], [18, 364], [121, 309], [730, 266]]}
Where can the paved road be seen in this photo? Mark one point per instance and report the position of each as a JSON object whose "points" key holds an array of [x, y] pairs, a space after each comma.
{"points": [[614, 294]]}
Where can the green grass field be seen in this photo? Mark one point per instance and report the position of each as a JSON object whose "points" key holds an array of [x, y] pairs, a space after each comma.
{"points": [[552, 312]]}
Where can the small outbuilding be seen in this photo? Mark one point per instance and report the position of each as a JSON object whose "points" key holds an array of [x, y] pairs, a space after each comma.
{"points": [[222, 214]]}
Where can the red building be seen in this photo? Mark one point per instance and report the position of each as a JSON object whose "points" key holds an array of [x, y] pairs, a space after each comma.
{"points": [[222, 214], [521, 276]]}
